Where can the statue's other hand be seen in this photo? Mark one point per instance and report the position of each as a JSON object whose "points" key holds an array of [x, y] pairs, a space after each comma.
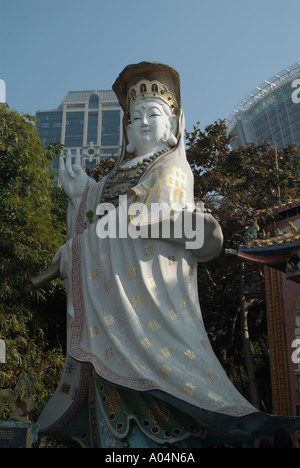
{"points": [[73, 177], [61, 260], [59, 253]]}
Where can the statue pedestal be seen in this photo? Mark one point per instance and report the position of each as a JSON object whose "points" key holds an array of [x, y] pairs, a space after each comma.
{"points": [[17, 435]]}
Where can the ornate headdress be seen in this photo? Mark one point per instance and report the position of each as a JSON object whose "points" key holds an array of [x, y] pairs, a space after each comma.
{"points": [[148, 79], [145, 88]]}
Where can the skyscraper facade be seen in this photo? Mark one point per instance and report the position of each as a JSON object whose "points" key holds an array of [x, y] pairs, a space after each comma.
{"points": [[89, 120], [272, 110]]}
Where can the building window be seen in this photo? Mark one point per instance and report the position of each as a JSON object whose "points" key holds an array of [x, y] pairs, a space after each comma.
{"points": [[92, 128], [90, 163], [110, 151], [94, 102], [74, 129], [75, 106], [49, 126], [110, 130], [110, 104]]}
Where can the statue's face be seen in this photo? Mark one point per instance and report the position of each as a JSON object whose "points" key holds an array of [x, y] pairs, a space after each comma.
{"points": [[150, 126]]}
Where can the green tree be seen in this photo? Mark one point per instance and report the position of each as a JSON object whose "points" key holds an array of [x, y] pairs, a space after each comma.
{"points": [[102, 169], [31, 231], [244, 178], [234, 184]]}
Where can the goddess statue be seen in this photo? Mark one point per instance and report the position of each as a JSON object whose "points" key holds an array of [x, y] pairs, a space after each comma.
{"points": [[140, 370]]}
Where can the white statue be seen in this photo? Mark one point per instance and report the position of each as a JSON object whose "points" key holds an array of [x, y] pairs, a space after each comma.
{"points": [[137, 347], [19, 402]]}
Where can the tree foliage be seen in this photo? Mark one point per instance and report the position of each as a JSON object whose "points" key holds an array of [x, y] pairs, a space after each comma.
{"points": [[246, 177], [31, 231], [234, 184]]}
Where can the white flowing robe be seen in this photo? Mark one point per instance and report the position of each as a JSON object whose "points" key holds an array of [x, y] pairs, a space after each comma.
{"points": [[134, 309]]}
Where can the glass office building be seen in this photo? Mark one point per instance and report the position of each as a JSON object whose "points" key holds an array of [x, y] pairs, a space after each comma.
{"points": [[89, 120], [271, 110]]}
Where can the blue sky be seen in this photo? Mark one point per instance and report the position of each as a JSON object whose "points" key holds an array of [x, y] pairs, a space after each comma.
{"points": [[222, 49]]}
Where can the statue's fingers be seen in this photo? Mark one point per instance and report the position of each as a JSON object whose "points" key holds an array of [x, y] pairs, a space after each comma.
{"points": [[61, 163], [69, 164], [77, 166], [68, 159], [77, 157], [62, 168], [76, 169]]}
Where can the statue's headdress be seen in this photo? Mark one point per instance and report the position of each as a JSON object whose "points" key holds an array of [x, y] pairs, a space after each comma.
{"points": [[148, 79], [145, 89]]}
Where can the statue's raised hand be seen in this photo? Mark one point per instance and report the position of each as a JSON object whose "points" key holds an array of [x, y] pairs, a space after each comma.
{"points": [[72, 176]]}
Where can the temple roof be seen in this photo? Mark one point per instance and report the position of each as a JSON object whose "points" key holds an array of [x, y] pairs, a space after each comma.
{"points": [[282, 251]]}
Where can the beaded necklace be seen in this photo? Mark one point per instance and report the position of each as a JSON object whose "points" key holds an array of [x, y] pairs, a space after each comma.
{"points": [[124, 177]]}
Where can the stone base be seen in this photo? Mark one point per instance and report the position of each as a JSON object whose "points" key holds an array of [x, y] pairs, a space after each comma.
{"points": [[17, 435]]}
